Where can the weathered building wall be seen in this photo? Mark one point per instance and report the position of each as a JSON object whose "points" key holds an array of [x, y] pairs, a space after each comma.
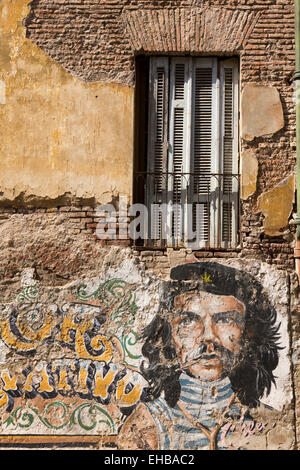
{"points": [[71, 358], [74, 309], [61, 134], [261, 34]]}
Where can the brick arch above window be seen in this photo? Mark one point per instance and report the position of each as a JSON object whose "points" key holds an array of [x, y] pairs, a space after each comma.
{"points": [[97, 40], [189, 30]]}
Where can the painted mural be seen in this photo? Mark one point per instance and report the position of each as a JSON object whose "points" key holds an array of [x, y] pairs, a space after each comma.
{"points": [[196, 375], [211, 351], [75, 389]]}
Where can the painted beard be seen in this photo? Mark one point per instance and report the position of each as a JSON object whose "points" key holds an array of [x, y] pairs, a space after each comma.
{"points": [[217, 353]]}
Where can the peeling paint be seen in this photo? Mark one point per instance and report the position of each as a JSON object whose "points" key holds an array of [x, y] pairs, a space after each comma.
{"points": [[261, 111], [96, 379], [277, 205], [77, 138], [2, 92], [249, 172]]}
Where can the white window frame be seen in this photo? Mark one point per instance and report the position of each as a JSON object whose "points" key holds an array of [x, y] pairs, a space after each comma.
{"points": [[217, 199]]}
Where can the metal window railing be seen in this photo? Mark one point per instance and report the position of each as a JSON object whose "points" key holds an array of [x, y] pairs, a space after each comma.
{"points": [[196, 210]]}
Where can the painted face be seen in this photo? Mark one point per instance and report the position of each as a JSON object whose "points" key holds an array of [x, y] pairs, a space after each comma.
{"points": [[206, 331]]}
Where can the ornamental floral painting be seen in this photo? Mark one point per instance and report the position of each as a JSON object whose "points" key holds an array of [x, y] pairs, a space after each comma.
{"points": [[189, 363]]}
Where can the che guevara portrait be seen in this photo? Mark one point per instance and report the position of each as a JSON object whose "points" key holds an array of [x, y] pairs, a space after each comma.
{"points": [[209, 354]]}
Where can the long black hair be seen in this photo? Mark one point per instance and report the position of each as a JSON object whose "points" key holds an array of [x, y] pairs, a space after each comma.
{"points": [[252, 375]]}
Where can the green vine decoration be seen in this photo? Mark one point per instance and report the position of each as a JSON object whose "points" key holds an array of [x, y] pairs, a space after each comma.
{"points": [[56, 405], [24, 418], [29, 294], [109, 292], [115, 291], [16, 416], [114, 287], [92, 411], [127, 341]]}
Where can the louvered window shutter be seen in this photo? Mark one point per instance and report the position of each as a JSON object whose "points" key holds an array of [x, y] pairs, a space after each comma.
{"points": [[205, 142], [229, 200], [157, 146], [192, 183], [179, 147]]}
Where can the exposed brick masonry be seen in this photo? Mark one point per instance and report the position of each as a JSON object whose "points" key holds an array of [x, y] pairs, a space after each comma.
{"points": [[191, 30], [84, 220], [97, 41]]}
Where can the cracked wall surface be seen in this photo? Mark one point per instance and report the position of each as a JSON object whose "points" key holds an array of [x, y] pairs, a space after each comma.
{"points": [[277, 205], [63, 136], [262, 112], [70, 69], [106, 345], [81, 349], [249, 172]]}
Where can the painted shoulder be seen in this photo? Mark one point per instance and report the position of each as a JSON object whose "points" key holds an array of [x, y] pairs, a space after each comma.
{"points": [[139, 431]]}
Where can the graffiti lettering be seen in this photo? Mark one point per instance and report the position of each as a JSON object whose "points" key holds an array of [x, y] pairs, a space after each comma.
{"points": [[81, 326], [247, 429], [25, 328], [88, 380], [77, 325]]}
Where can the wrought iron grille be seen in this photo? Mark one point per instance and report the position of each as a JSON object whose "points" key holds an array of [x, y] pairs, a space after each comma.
{"points": [[196, 210]]}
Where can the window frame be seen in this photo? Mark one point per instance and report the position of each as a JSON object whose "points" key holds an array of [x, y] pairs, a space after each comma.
{"points": [[219, 66]]}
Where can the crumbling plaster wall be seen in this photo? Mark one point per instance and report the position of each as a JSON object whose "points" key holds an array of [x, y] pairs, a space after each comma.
{"points": [[46, 363], [60, 137], [67, 103], [80, 142], [81, 122]]}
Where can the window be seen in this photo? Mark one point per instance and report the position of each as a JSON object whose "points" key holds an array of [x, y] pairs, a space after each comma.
{"points": [[191, 183]]}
